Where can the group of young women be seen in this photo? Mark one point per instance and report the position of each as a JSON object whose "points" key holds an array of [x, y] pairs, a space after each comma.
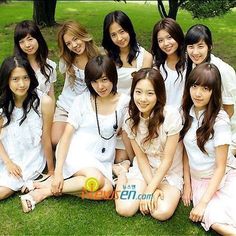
{"points": [[160, 121]]}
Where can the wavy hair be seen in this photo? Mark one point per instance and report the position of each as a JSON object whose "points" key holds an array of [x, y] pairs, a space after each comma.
{"points": [[195, 34], [28, 27], [7, 102], [206, 75], [156, 116], [77, 30], [113, 50], [175, 31]]}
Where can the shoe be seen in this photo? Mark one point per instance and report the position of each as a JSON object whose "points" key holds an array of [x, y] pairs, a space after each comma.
{"points": [[27, 202], [29, 185], [121, 167]]}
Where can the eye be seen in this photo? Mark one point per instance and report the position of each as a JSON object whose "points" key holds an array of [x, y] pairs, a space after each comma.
{"points": [[104, 80], [169, 37], [150, 93], [94, 82], [160, 40], [194, 86], [113, 35], [68, 44], [14, 79], [190, 46], [137, 91], [206, 88], [26, 77]]}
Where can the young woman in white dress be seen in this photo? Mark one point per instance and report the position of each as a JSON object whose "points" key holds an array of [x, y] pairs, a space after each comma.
{"points": [[76, 47], [86, 150], [198, 43], [120, 44], [169, 58], [209, 166], [153, 129], [25, 122], [30, 44]]}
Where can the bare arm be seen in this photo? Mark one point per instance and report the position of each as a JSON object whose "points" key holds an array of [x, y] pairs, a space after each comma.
{"points": [[147, 59], [229, 109], [168, 155], [51, 93], [221, 158], [187, 191], [128, 146], [47, 114], [143, 162], [12, 168]]}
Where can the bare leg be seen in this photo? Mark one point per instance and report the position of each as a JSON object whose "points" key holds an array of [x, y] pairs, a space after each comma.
{"points": [[5, 192], [57, 131], [126, 202], [166, 207], [224, 229]]}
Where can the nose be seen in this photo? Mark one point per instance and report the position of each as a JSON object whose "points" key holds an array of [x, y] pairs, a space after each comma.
{"points": [[143, 97], [21, 83], [195, 50], [119, 37], [74, 44], [198, 92], [100, 85], [166, 42], [27, 44]]}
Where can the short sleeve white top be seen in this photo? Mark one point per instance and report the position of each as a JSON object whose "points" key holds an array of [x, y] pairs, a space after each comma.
{"points": [[201, 163], [45, 87], [124, 74], [174, 85], [70, 91]]}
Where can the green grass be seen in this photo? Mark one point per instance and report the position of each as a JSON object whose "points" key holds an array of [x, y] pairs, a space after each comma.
{"points": [[69, 215]]}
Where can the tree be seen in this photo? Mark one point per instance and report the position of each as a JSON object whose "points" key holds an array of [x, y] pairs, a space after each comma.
{"points": [[3, 1], [198, 8], [44, 12]]}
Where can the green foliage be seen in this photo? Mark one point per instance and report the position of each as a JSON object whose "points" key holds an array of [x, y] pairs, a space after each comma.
{"points": [[208, 8]]}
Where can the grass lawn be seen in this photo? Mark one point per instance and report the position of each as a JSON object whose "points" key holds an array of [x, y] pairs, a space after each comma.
{"points": [[70, 215]]}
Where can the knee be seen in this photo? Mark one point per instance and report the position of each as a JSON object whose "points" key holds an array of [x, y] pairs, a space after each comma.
{"points": [[162, 214], [4, 195], [125, 210]]}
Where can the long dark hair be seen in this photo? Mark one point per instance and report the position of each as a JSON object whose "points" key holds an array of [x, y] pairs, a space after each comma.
{"points": [[7, 102], [195, 34], [175, 31], [28, 27], [156, 116], [114, 51], [206, 75], [98, 66]]}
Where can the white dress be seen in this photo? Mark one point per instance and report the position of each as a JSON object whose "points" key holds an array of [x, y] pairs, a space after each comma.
{"points": [[86, 145], [174, 85], [221, 208], [70, 91], [124, 74], [23, 145], [154, 149], [43, 87]]}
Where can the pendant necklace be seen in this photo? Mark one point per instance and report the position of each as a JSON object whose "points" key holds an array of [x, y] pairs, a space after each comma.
{"points": [[115, 126]]}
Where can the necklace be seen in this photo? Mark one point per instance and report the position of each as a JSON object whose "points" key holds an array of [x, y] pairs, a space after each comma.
{"points": [[115, 126]]}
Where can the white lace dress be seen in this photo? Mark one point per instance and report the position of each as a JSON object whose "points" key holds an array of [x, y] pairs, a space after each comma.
{"points": [[23, 145]]}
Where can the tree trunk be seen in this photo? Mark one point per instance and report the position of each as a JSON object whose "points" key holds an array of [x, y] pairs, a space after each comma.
{"points": [[44, 12], [173, 9]]}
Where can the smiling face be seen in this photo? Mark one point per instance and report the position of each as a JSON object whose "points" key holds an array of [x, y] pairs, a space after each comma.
{"points": [[145, 97], [119, 36], [198, 52], [74, 44], [200, 96], [19, 83], [166, 43], [29, 45], [102, 86]]}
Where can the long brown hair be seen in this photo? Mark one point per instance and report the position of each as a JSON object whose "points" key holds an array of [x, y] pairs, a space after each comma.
{"points": [[77, 30], [156, 116], [206, 75]]}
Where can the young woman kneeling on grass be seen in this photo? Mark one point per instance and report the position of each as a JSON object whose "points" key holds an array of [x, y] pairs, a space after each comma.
{"points": [[25, 127], [209, 166], [153, 129], [87, 147]]}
